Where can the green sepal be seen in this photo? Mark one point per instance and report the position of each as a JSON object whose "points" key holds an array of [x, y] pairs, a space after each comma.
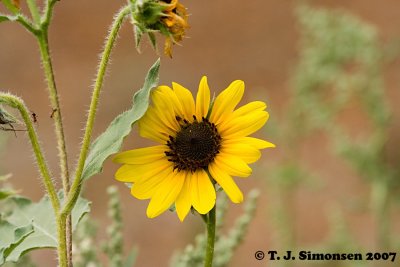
{"points": [[138, 36], [110, 141], [153, 40]]}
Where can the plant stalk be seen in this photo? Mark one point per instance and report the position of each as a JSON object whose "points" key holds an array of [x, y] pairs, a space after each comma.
{"points": [[59, 129], [18, 103], [208, 262], [110, 42]]}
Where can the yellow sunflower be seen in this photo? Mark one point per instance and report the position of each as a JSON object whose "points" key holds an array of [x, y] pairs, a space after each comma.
{"points": [[201, 144]]}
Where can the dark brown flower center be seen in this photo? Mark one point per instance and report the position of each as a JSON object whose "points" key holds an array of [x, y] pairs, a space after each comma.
{"points": [[195, 145]]}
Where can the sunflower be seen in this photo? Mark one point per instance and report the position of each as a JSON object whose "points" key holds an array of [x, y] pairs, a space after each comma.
{"points": [[201, 144]]}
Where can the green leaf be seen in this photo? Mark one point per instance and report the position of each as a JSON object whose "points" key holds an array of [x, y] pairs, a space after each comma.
{"points": [[5, 193], [39, 216], [131, 258], [110, 141], [11, 236]]}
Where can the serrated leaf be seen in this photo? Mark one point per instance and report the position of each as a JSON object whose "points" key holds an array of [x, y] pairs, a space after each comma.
{"points": [[40, 216], [110, 141], [11, 236]]}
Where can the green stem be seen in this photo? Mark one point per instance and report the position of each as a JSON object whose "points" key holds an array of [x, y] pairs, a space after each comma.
{"points": [[110, 42], [55, 104], [62, 250], [18, 103], [34, 11], [24, 21], [48, 13], [381, 207], [210, 238], [65, 237]]}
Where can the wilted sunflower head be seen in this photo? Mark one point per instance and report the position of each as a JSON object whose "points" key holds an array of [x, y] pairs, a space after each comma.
{"points": [[201, 144], [169, 17]]}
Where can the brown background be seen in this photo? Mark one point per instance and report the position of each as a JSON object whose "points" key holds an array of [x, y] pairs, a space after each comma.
{"points": [[250, 40]]}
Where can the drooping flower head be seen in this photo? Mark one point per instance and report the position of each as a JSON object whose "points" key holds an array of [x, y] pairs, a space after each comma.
{"points": [[169, 17], [200, 144]]}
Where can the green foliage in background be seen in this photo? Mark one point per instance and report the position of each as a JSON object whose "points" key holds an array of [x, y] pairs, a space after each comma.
{"points": [[340, 65]]}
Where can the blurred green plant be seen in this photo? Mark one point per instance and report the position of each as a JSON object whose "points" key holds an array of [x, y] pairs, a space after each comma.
{"points": [[88, 254], [340, 62]]}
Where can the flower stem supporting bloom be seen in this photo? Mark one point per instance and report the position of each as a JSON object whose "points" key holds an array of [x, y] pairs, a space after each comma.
{"points": [[110, 41], [208, 262]]}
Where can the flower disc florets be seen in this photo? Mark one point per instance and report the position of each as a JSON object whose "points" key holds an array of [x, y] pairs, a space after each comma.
{"points": [[195, 145]]}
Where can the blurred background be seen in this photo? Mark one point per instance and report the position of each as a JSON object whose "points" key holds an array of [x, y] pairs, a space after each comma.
{"points": [[329, 72]]}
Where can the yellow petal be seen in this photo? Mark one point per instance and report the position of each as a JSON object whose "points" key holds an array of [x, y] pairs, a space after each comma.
{"points": [[164, 108], [166, 194], [153, 127], [202, 99], [202, 192], [226, 182], [243, 111], [255, 142], [249, 107], [146, 188], [186, 99], [247, 153], [226, 102], [171, 96], [233, 165], [183, 202], [141, 155], [135, 173], [244, 125]]}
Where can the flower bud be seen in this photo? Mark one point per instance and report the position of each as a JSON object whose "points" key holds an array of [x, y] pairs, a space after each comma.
{"points": [[169, 17]]}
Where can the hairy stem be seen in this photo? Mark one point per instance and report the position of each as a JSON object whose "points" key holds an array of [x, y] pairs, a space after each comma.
{"points": [[62, 249], [65, 251], [55, 105], [208, 262], [34, 11], [18, 103], [110, 42]]}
